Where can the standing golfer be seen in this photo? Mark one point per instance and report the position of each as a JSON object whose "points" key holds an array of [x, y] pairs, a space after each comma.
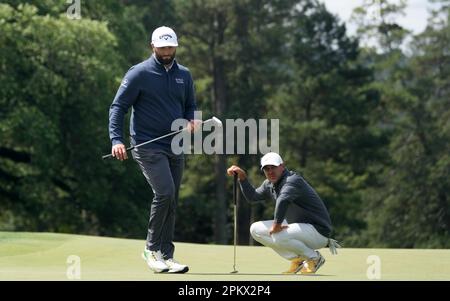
{"points": [[301, 223], [159, 90]]}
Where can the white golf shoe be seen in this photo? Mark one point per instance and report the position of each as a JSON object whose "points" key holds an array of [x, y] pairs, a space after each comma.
{"points": [[155, 261], [175, 267]]}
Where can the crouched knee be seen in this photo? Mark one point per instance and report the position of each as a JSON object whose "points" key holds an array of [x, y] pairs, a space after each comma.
{"points": [[256, 229]]}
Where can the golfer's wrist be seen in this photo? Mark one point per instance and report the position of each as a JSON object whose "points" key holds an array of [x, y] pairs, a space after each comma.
{"points": [[116, 141]]}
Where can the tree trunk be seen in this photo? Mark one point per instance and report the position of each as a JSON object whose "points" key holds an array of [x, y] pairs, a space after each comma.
{"points": [[305, 143], [256, 212], [220, 222]]}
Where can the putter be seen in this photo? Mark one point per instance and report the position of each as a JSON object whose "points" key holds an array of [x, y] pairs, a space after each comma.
{"points": [[235, 193], [214, 119]]}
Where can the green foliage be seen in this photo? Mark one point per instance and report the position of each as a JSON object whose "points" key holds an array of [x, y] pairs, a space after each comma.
{"points": [[409, 206], [54, 110], [377, 23]]}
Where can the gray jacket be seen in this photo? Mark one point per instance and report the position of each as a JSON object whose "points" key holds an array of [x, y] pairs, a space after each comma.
{"points": [[296, 201]]}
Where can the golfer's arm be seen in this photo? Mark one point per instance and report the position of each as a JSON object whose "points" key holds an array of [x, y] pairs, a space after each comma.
{"points": [[287, 194], [116, 116], [190, 105], [251, 194], [125, 97]]}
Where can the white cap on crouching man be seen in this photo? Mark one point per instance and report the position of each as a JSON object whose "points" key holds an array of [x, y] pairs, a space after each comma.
{"points": [[164, 37], [271, 159]]}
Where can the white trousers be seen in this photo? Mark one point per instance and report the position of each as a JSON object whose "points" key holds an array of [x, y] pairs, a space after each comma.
{"points": [[296, 240]]}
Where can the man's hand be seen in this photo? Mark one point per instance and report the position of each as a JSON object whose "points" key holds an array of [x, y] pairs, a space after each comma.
{"points": [[277, 228], [237, 170], [194, 125], [119, 151]]}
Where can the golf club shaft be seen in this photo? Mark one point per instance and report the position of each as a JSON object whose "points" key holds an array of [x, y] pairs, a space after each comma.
{"points": [[153, 140], [235, 192], [235, 237]]}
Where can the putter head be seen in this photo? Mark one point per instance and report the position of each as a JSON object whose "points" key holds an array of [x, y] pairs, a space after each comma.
{"points": [[234, 272], [217, 121]]}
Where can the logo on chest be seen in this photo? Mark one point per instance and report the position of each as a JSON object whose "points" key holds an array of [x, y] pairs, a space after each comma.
{"points": [[179, 80]]}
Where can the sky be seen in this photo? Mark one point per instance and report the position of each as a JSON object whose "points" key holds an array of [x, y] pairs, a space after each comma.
{"points": [[415, 18]]}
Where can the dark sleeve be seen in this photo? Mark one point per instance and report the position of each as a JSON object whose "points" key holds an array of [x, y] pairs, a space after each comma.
{"points": [[125, 97], [287, 194], [190, 104], [252, 194]]}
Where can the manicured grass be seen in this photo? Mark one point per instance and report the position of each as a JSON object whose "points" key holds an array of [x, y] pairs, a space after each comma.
{"points": [[43, 256]]}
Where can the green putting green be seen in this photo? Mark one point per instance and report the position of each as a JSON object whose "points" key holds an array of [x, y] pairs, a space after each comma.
{"points": [[46, 256]]}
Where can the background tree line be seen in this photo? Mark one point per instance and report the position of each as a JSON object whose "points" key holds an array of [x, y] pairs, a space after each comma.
{"points": [[368, 126]]}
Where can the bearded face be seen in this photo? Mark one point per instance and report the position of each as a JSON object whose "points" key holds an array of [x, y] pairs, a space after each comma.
{"points": [[165, 55]]}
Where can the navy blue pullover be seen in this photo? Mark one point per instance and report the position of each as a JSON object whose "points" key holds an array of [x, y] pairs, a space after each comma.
{"points": [[157, 98]]}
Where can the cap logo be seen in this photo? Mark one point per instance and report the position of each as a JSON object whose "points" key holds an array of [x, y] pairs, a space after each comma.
{"points": [[165, 37]]}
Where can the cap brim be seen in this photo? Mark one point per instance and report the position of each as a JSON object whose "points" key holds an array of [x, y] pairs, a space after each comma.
{"points": [[164, 44], [273, 164]]}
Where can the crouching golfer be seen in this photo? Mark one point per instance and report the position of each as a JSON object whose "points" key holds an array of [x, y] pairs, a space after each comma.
{"points": [[301, 223]]}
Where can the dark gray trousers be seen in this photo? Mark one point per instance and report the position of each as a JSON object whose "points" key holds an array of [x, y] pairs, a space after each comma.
{"points": [[163, 171]]}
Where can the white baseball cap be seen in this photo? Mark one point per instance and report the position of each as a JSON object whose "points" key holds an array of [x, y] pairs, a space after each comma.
{"points": [[271, 159], [164, 36]]}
